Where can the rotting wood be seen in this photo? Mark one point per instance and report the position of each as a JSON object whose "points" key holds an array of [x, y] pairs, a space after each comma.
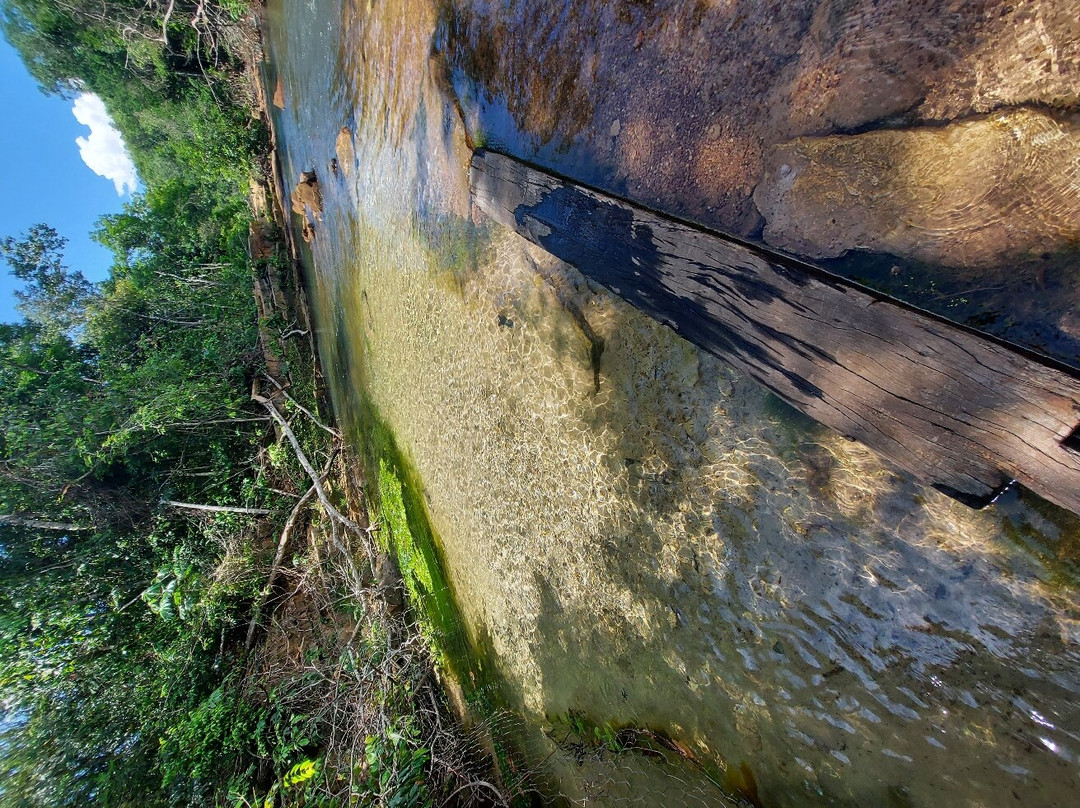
{"points": [[965, 412]]}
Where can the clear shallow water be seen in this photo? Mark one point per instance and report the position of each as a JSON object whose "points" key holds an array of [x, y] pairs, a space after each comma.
{"points": [[661, 543]]}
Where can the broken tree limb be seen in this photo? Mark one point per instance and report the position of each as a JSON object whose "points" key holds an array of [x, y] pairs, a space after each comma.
{"points": [[312, 473], [41, 524], [279, 554], [329, 429]]}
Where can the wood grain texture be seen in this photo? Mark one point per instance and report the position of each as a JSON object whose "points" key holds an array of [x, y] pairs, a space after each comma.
{"points": [[965, 413]]}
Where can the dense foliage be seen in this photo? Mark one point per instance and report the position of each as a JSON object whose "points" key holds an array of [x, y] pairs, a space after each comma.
{"points": [[115, 397]]}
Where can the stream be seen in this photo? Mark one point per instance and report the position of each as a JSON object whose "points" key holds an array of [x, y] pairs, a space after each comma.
{"points": [[634, 535]]}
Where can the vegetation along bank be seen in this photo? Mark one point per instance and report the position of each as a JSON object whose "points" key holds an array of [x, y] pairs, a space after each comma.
{"points": [[196, 606]]}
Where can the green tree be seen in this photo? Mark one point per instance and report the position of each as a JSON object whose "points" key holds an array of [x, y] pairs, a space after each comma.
{"points": [[54, 297], [50, 413], [114, 397]]}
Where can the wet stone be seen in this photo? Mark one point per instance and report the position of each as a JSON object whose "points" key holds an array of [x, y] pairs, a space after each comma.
{"points": [[307, 195], [978, 192], [343, 148]]}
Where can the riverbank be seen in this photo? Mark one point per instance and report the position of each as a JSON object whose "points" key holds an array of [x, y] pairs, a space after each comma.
{"points": [[200, 605], [396, 591]]}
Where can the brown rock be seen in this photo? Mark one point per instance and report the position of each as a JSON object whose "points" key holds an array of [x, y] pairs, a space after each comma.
{"points": [[866, 60], [307, 194], [260, 239], [390, 583], [1069, 324], [279, 94], [346, 156], [978, 192], [1018, 53]]}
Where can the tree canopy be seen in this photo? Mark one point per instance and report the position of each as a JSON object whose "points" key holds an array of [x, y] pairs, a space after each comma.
{"points": [[116, 397]]}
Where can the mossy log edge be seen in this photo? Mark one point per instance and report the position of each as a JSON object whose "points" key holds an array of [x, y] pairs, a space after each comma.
{"points": [[962, 411]]}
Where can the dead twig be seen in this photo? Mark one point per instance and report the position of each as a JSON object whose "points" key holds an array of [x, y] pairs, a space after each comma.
{"points": [[336, 516]]}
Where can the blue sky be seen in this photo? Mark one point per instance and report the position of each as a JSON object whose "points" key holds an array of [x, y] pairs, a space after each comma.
{"points": [[46, 179]]}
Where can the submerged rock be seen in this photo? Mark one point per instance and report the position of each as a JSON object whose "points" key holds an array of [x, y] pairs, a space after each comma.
{"points": [[861, 61], [346, 155], [974, 193], [307, 194]]}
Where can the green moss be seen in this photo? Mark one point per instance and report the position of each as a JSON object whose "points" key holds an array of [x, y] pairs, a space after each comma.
{"points": [[394, 489], [415, 556], [396, 494]]}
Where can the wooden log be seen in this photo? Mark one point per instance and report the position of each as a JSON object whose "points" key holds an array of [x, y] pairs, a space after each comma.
{"points": [[960, 410]]}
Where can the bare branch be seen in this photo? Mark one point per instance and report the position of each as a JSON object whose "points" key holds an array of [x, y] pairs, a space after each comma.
{"points": [[193, 506], [303, 409], [165, 23], [286, 532]]}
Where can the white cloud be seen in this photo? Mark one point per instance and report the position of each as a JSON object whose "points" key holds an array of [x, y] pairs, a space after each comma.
{"points": [[103, 151]]}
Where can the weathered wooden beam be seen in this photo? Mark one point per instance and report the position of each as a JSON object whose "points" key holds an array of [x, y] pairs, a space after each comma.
{"points": [[960, 410]]}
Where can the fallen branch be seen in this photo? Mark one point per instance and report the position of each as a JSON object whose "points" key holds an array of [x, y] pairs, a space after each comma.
{"points": [[303, 409], [165, 23], [283, 542], [475, 784], [41, 524], [194, 506], [314, 475]]}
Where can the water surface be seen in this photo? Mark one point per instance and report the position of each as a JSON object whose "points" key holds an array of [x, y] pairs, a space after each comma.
{"points": [[637, 534]]}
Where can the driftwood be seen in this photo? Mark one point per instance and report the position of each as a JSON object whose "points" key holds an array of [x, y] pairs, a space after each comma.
{"points": [[965, 412]]}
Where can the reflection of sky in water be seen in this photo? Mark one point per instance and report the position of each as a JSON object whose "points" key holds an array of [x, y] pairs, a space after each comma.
{"points": [[677, 549]]}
